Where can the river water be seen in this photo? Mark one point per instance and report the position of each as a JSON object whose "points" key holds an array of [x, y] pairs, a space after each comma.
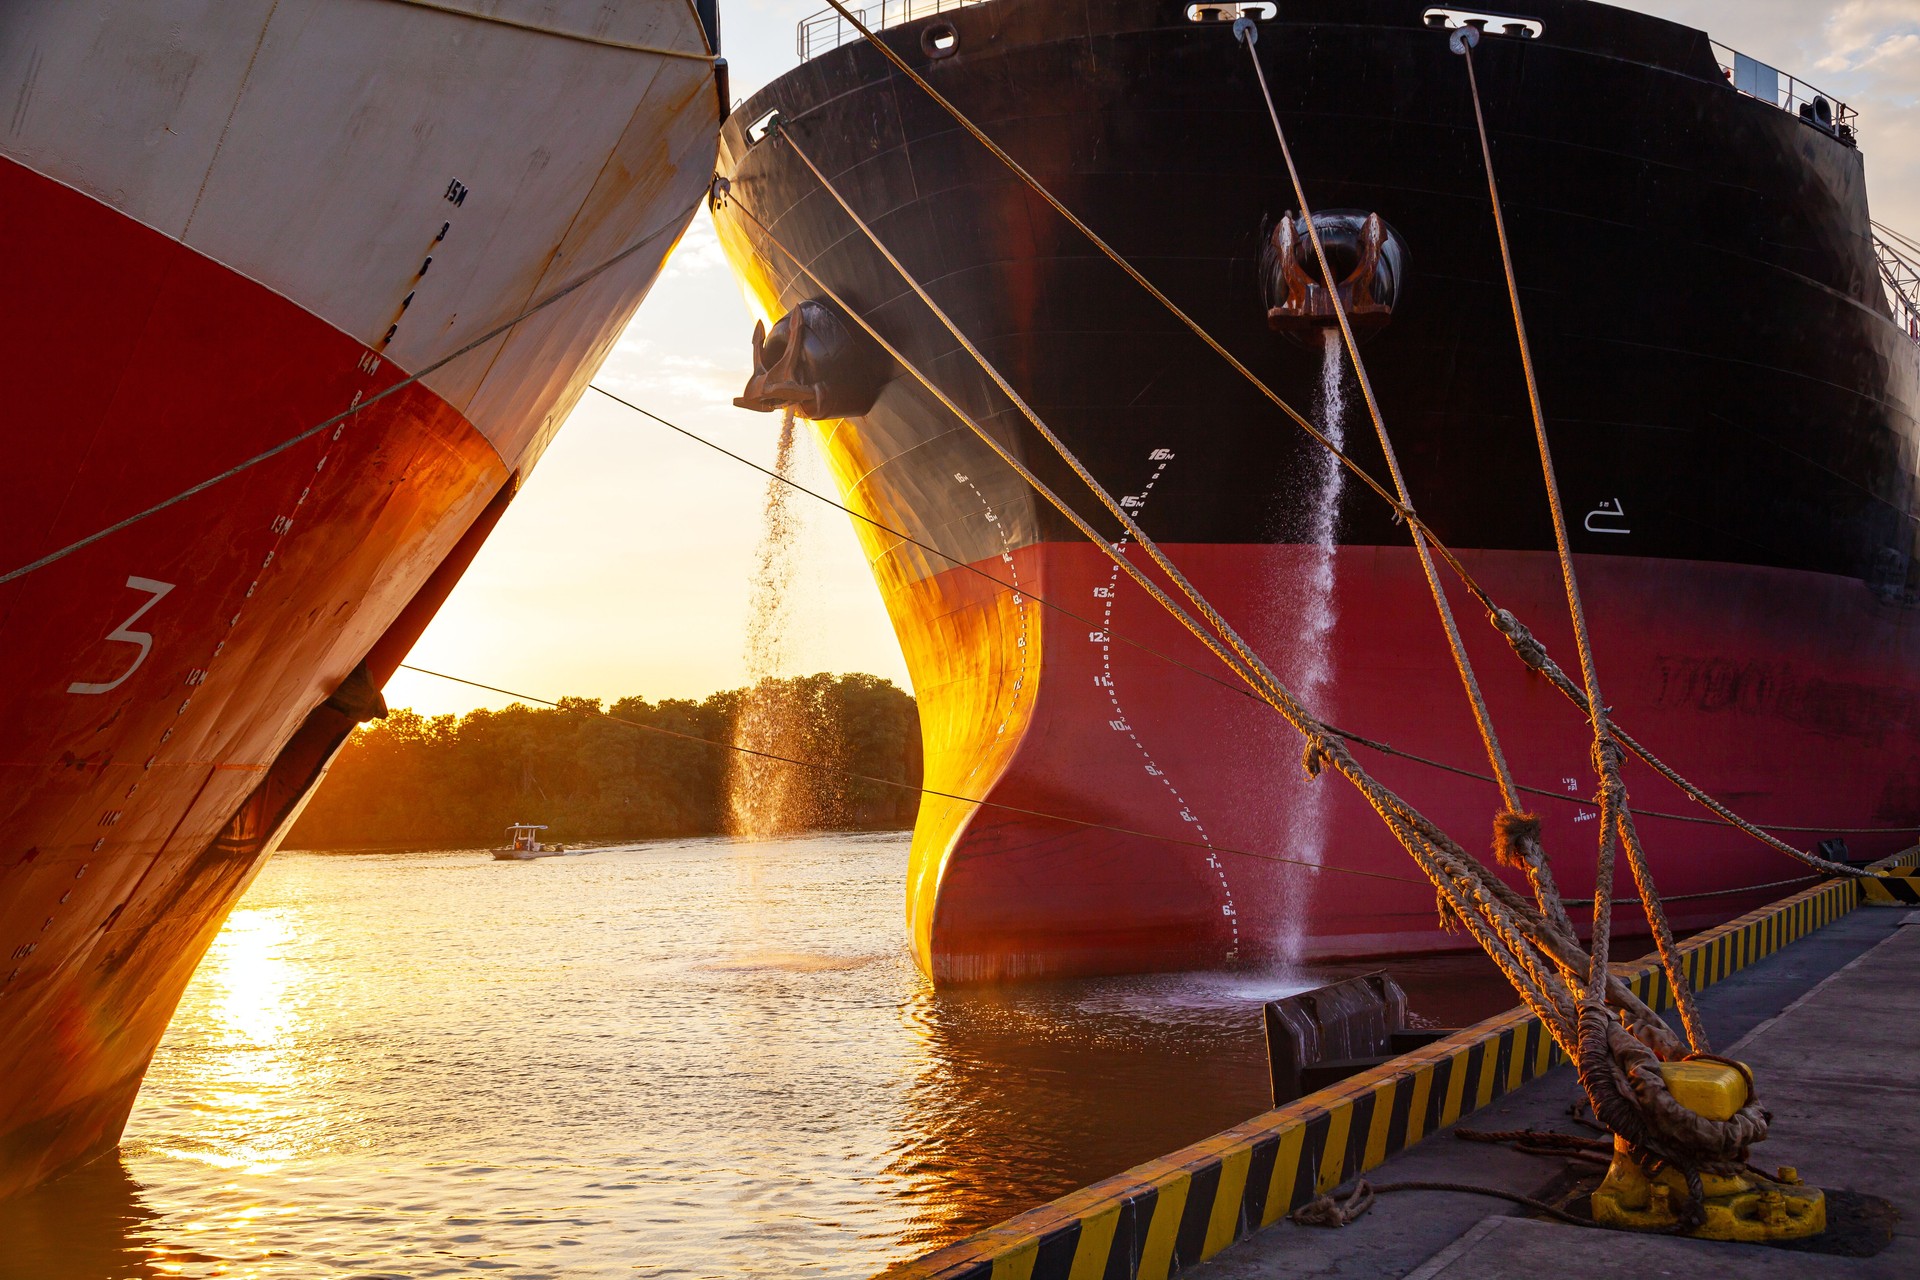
{"points": [[700, 1058]]}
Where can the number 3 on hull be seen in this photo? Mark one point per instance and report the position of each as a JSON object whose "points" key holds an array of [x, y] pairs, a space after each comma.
{"points": [[142, 640]]}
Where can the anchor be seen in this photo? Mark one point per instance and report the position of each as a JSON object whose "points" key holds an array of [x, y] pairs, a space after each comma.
{"points": [[811, 363], [1298, 300]]}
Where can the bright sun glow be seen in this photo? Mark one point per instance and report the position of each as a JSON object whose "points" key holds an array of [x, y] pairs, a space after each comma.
{"points": [[247, 1123]]}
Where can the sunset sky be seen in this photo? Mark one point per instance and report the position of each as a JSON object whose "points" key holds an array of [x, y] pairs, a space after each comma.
{"points": [[622, 567]]}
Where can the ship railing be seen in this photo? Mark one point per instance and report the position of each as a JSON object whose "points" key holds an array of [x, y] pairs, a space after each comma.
{"points": [[1790, 94], [828, 30], [1899, 259]]}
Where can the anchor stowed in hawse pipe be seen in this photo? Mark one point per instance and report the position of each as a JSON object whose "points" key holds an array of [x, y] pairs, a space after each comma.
{"points": [[813, 363], [1299, 302]]}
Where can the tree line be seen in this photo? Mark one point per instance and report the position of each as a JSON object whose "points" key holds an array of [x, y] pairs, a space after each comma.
{"points": [[594, 772]]}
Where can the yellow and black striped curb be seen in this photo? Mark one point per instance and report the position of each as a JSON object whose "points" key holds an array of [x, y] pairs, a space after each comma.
{"points": [[1905, 860], [1892, 891], [1172, 1213], [1895, 884]]}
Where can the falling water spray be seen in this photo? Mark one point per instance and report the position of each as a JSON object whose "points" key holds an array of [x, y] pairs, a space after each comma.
{"points": [[1315, 611], [768, 797]]}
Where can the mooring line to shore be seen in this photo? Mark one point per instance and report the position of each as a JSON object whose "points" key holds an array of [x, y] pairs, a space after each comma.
{"points": [[1236, 657], [1238, 690], [1571, 989], [578, 282], [823, 767], [1170, 1214], [928, 547], [1525, 645], [1247, 32]]}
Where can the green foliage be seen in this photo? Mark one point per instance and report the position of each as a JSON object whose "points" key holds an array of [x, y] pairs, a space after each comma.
{"points": [[456, 782]]}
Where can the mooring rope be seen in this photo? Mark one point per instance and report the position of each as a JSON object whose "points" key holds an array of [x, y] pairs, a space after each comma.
{"points": [[1536, 957], [1111, 254], [1535, 655], [1233, 661], [359, 407], [1619, 1065], [1530, 952], [1517, 837], [1606, 752], [1616, 814], [1021, 589], [1716, 893], [1332, 1211], [1495, 613], [1237, 689], [1498, 919], [1467, 890], [1248, 658]]}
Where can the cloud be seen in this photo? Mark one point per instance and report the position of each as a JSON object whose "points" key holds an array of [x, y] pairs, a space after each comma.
{"points": [[698, 252], [1857, 23], [1863, 34], [640, 370]]}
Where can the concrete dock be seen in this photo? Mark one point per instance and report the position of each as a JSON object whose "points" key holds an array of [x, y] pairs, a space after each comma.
{"points": [[1831, 1027], [1816, 991]]}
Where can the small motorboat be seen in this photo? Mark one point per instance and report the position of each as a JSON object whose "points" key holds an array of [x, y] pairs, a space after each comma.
{"points": [[523, 843]]}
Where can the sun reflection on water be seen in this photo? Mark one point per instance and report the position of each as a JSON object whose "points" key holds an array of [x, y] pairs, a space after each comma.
{"points": [[673, 1060], [248, 1115], [249, 966]]}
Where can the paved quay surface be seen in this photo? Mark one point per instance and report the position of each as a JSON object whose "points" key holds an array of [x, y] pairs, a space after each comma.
{"points": [[1831, 1027]]}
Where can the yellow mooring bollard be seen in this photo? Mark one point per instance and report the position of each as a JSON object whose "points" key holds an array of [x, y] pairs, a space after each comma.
{"points": [[1749, 1209]]}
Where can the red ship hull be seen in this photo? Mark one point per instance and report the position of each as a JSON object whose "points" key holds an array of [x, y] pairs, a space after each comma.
{"points": [[229, 508], [277, 582], [1791, 696]]}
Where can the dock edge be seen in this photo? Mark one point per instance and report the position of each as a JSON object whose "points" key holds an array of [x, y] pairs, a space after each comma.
{"points": [[1176, 1212]]}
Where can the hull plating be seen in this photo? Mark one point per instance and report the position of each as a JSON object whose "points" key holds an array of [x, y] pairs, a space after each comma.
{"points": [[224, 263], [1732, 412], [1789, 695]]}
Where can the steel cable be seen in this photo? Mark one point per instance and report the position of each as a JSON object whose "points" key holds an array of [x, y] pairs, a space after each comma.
{"points": [[679, 220], [1238, 690], [1496, 614], [822, 767]]}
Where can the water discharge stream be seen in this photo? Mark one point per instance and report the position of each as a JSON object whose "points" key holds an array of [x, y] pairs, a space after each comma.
{"points": [[767, 797], [1315, 611]]}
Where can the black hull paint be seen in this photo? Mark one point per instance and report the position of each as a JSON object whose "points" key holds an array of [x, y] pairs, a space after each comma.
{"points": [[1696, 269], [1731, 407]]}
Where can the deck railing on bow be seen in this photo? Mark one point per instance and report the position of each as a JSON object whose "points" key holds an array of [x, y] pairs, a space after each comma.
{"points": [[1796, 97], [828, 30], [1899, 259]]}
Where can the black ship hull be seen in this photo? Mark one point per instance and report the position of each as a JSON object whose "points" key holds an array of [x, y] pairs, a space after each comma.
{"points": [[1731, 406]]}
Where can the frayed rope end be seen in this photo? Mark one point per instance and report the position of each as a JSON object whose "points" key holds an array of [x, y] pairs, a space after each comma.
{"points": [[1514, 834]]}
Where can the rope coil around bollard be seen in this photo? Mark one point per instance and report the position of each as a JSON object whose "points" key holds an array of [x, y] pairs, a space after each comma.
{"points": [[1618, 1067], [1619, 1062]]}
